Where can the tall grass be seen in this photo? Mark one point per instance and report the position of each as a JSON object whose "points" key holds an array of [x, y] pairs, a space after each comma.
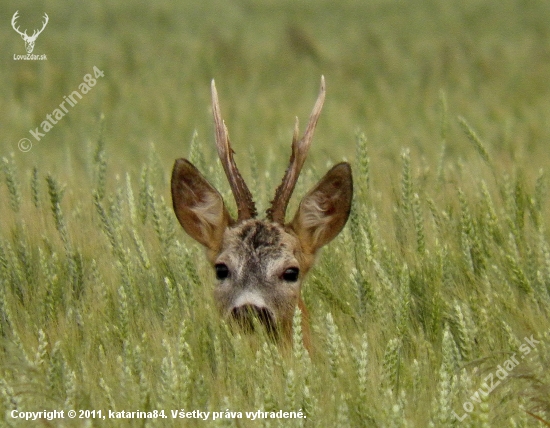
{"points": [[104, 307]]}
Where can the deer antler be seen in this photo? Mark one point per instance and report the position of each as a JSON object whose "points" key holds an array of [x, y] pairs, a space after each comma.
{"points": [[37, 32], [15, 16], [243, 197], [276, 212]]}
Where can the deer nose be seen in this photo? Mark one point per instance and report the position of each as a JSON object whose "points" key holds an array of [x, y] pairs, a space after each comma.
{"points": [[245, 315]]}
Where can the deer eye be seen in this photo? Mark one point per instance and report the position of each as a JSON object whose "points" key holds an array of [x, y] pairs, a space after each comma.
{"points": [[291, 274], [222, 271]]}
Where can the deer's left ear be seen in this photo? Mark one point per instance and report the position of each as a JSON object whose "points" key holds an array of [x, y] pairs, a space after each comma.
{"points": [[323, 212]]}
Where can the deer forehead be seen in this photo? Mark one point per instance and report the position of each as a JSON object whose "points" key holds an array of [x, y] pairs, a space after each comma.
{"points": [[260, 246]]}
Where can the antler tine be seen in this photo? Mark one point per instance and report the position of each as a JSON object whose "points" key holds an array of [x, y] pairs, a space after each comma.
{"points": [[13, 19], [300, 148], [46, 20], [245, 205], [36, 33]]}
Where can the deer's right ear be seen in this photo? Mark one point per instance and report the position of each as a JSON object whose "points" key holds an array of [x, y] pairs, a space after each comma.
{"points": [[198, 206]]}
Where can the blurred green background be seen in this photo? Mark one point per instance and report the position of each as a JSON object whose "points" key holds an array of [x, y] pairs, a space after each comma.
{"points": [[385, 64]]}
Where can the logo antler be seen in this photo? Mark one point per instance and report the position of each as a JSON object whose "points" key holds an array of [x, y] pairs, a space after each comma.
{"points": [[29, 40]]}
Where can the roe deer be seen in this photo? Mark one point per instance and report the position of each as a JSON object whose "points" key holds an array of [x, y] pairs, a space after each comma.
{"points": [[260, 264]]}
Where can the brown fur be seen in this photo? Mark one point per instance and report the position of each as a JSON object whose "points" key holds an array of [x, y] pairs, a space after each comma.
{"points": [[258, 252], [261, 264]]}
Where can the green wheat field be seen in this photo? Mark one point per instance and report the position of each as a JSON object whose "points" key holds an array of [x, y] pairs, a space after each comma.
{"points": [[430, 309]]}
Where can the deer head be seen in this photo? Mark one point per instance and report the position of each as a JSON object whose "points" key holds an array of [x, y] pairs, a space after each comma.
{"points": [[260, 264], [29, 40]]}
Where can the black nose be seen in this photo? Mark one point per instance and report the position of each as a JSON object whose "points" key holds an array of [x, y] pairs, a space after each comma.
{"points": [[244, 316]]}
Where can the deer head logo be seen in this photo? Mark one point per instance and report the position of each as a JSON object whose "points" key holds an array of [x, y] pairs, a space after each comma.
{"points": [[29, 40], [260, 264]]}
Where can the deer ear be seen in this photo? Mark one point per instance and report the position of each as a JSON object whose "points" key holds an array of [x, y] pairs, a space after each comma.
{"points": [[198, 205], [323, 212]]}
